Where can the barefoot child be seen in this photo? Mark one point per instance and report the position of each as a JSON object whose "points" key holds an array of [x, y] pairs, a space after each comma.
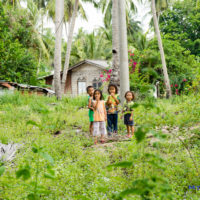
{"points": [[112, 109], [128, 113], [90, 91], [100, 117]]}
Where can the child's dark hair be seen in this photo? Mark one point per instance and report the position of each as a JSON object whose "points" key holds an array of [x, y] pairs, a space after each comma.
{"points": [[113, 85], [88, 87], [133, 96], [101, 95]]}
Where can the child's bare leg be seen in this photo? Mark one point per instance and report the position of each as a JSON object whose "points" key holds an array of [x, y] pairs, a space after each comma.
{"points": [[128, 130], [132, 130], [91, 128], [102, 138], [95, 140]]}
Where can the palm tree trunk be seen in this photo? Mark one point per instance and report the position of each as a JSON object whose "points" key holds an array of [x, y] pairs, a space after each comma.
{"points": [[58, 43], [69, 44], [115, 44], [157, 30], [123, 51]]}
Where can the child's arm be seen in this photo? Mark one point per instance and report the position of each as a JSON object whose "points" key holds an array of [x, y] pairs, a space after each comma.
{"points": [[105, 113], [95, 105], [108, 102], [122, 112], [116, 100], [131, 117], [90, 104]]}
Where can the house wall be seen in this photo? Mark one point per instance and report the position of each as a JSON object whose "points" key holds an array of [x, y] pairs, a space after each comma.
{"points": [[68, 87], [86, 71]]}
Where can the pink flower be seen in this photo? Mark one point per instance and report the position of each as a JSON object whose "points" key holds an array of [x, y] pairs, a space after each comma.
{"points": [[135, 63], [177, 91], [107, 79], [171, 85], [176, 85], [131, 60], [101, 75], [108, 76], [184, 80], [132, 54], [110, 70]]}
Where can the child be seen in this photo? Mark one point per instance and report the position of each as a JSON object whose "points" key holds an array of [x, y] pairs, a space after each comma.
{"points": [[112, 109], [100, 116], [90, 91], [127, 109]]}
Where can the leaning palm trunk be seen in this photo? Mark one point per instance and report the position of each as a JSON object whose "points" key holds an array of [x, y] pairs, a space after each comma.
{"points": [[157, 30], [115, 44], [58, 43], [69, 44], [123, 51]]}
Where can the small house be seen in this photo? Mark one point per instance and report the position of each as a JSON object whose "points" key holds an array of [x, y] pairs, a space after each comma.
{"points": [[81, 75]]}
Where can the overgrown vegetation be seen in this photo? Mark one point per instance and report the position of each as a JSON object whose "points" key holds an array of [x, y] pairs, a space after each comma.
{"points": [[160, 162]]}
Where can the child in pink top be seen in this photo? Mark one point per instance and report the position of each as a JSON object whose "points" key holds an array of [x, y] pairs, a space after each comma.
{"points": [[100, 116]]}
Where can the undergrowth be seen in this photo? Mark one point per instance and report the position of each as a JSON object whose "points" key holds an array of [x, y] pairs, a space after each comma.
{"points": [[160, 162]]}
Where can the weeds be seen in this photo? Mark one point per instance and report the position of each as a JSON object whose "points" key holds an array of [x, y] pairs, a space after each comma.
{"points": [[154, 165]]}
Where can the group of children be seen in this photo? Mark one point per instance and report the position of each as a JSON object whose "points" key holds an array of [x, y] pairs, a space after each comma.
{"points": [[101, 111]]}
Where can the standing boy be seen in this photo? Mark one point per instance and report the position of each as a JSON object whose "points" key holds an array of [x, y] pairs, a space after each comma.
{"points": [[90, 91]]}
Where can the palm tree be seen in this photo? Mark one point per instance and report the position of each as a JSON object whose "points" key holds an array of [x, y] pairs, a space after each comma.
{"points": [[124, 69], [69, 44], [59, 12], [69, 41], [106, 6], [157, 30], [70, 17], [91, 46]]}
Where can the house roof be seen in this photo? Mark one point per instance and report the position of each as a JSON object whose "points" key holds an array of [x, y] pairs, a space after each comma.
{"points": [[103, 64], [12, 85]]}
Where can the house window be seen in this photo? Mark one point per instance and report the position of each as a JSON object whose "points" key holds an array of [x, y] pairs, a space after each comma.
{"points": [[96, 83], [81, 86]]}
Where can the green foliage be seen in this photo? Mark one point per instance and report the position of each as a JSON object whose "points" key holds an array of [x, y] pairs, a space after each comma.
{"points": [[67, 166], [16, 62], [2, 169], [182, 23], [148, 68]]}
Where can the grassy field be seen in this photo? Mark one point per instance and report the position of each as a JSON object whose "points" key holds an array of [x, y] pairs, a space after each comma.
{"points": [[161, 162]]}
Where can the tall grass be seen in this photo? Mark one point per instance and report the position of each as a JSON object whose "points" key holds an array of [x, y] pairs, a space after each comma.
{"points": [[80, 169]]}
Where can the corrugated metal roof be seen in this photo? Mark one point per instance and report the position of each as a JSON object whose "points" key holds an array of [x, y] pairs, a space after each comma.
{"points": [[102, 63]]}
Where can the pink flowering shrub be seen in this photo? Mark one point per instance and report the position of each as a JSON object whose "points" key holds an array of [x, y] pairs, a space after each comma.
{"points": [[106, 75]]}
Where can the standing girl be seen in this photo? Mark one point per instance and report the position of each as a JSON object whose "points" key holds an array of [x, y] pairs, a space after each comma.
{"points": [[100, 116], [128, 110], [112, 109]]}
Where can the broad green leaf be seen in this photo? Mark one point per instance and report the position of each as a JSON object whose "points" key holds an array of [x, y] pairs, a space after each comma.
{"points": [[47, 157], [31, 122], [24, 173], [33, 196], [140, 134], [35, 150], [50, 176], [2, 170], [122, 164]]}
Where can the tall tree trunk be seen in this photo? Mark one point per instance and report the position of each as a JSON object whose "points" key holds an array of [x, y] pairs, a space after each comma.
{"points": [[157, 30], [115, 44], [123, 50], [58, 43], [69, 44]]}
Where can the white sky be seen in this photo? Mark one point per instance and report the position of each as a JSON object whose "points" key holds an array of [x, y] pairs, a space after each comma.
{"points": [[95, 18]]}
